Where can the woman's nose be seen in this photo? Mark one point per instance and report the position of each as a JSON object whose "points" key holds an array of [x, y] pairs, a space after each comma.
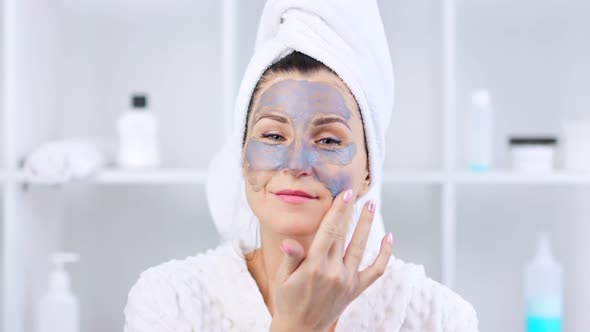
{"points": [[299, 162]]}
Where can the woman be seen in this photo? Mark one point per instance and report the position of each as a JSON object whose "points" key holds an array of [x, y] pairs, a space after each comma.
{"points": [[311, 116]]}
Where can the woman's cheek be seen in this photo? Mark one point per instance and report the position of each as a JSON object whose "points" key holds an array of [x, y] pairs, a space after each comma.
{"points": [[342, 156], [333, 168], [263, 159], [335, 181], [266, 157]]}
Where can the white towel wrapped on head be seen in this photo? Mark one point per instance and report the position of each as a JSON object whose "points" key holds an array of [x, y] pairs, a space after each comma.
{"points": [[348, 37]]}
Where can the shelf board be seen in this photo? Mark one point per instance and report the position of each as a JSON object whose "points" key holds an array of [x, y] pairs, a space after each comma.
{"points": [[163, 176], [122, 8], [494, 177], [413, 177], [122, 176], [196, 176], [508, 177]]}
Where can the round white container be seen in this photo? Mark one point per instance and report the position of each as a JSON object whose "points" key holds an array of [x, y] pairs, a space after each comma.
{"points": [[533, 154]]}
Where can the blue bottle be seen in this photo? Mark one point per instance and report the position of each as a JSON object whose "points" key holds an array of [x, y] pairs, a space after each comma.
{"points": [[480, 132], [544, 290]]}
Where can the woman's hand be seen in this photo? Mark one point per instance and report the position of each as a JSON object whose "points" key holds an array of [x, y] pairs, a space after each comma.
{"points": [[313, 291]]}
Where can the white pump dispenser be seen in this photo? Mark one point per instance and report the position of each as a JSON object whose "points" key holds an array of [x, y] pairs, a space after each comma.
{"points": [[544, 289], [58, 308]]}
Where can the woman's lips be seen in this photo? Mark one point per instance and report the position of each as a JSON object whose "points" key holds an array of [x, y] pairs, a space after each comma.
{"points": [[294, 196]]}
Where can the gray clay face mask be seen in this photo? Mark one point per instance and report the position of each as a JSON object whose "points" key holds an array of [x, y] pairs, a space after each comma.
{"points": [[304, 105]]}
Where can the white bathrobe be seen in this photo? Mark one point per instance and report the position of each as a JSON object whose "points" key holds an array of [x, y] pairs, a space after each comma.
{"points": [[214, 291]]}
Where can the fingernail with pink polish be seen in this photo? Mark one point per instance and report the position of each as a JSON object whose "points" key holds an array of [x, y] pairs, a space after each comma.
{"points": [[285, 250], [347, 195], [389, 239], [372, 206]]}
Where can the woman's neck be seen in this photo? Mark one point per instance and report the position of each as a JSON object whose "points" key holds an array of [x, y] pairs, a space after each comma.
{"points": [[264, 262]]}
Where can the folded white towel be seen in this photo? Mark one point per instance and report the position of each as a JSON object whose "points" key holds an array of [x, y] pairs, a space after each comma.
{"points": [[66, 160]]}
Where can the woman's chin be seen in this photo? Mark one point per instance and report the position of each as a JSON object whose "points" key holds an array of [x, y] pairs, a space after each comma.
{"points": [[297, 226], [299, 219]]}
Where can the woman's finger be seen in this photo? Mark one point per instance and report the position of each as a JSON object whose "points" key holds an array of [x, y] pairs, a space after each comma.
{"points": [[358, 242], [334, 225], [336, 250], [293, 255], [377, 268]]}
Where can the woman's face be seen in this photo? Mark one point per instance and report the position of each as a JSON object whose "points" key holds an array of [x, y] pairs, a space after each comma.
{"points": [[304, 134]]}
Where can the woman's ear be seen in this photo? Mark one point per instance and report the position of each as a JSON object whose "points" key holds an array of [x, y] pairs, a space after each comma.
{"points": [[365, 184]]}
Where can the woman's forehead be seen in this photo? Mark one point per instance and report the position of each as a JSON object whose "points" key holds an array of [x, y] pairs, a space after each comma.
{"points": [[321, 91], [299, 98]]}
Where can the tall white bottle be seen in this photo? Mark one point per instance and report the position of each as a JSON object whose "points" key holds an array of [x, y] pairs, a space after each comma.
{"points": [[481, 132], [138, 136], [543, 289], [58, 308]]}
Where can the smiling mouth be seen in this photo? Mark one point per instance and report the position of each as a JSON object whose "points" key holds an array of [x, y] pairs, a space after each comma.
{"points": [[294, 196]]}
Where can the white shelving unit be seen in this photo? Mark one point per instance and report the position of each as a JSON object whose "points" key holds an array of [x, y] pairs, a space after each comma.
{"points": [[36, 36]]}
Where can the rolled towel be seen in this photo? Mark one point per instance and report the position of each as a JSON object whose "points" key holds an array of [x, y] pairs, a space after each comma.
{"points": [[66, 160]]}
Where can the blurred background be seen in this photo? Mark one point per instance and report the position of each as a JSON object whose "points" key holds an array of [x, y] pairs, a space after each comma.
{"points": [[488, 144]]}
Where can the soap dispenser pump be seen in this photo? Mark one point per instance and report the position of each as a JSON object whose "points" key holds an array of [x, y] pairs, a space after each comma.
{"points": [[544, 289], [58, 308]]}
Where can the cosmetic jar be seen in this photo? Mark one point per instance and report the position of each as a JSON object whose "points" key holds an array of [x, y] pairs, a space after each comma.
{"points": [[576, 146], [533, 153]]}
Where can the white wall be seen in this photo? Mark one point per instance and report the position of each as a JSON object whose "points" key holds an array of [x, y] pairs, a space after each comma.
{"points": [[174, 55], [2, 160], [414, 34], [533, 56]]}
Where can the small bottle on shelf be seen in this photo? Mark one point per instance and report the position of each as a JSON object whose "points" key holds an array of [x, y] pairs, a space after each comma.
{"points": [[138, 136], [481, 132]]}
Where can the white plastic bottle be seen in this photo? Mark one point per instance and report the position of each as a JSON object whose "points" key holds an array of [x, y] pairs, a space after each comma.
{"points": [[481, 132], [58, 308], [543, 290], [138, 136]]}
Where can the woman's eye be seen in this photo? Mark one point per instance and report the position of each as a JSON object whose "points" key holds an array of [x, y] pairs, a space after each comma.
{"points": [[329, 141], [274, 137]]}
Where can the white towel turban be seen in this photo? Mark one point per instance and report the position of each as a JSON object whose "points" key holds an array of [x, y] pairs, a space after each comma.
{"points": [[348, 37]]}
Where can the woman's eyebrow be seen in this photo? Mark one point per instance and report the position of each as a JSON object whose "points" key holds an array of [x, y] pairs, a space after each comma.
{"points": [[323, 121], [278, 118]]}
